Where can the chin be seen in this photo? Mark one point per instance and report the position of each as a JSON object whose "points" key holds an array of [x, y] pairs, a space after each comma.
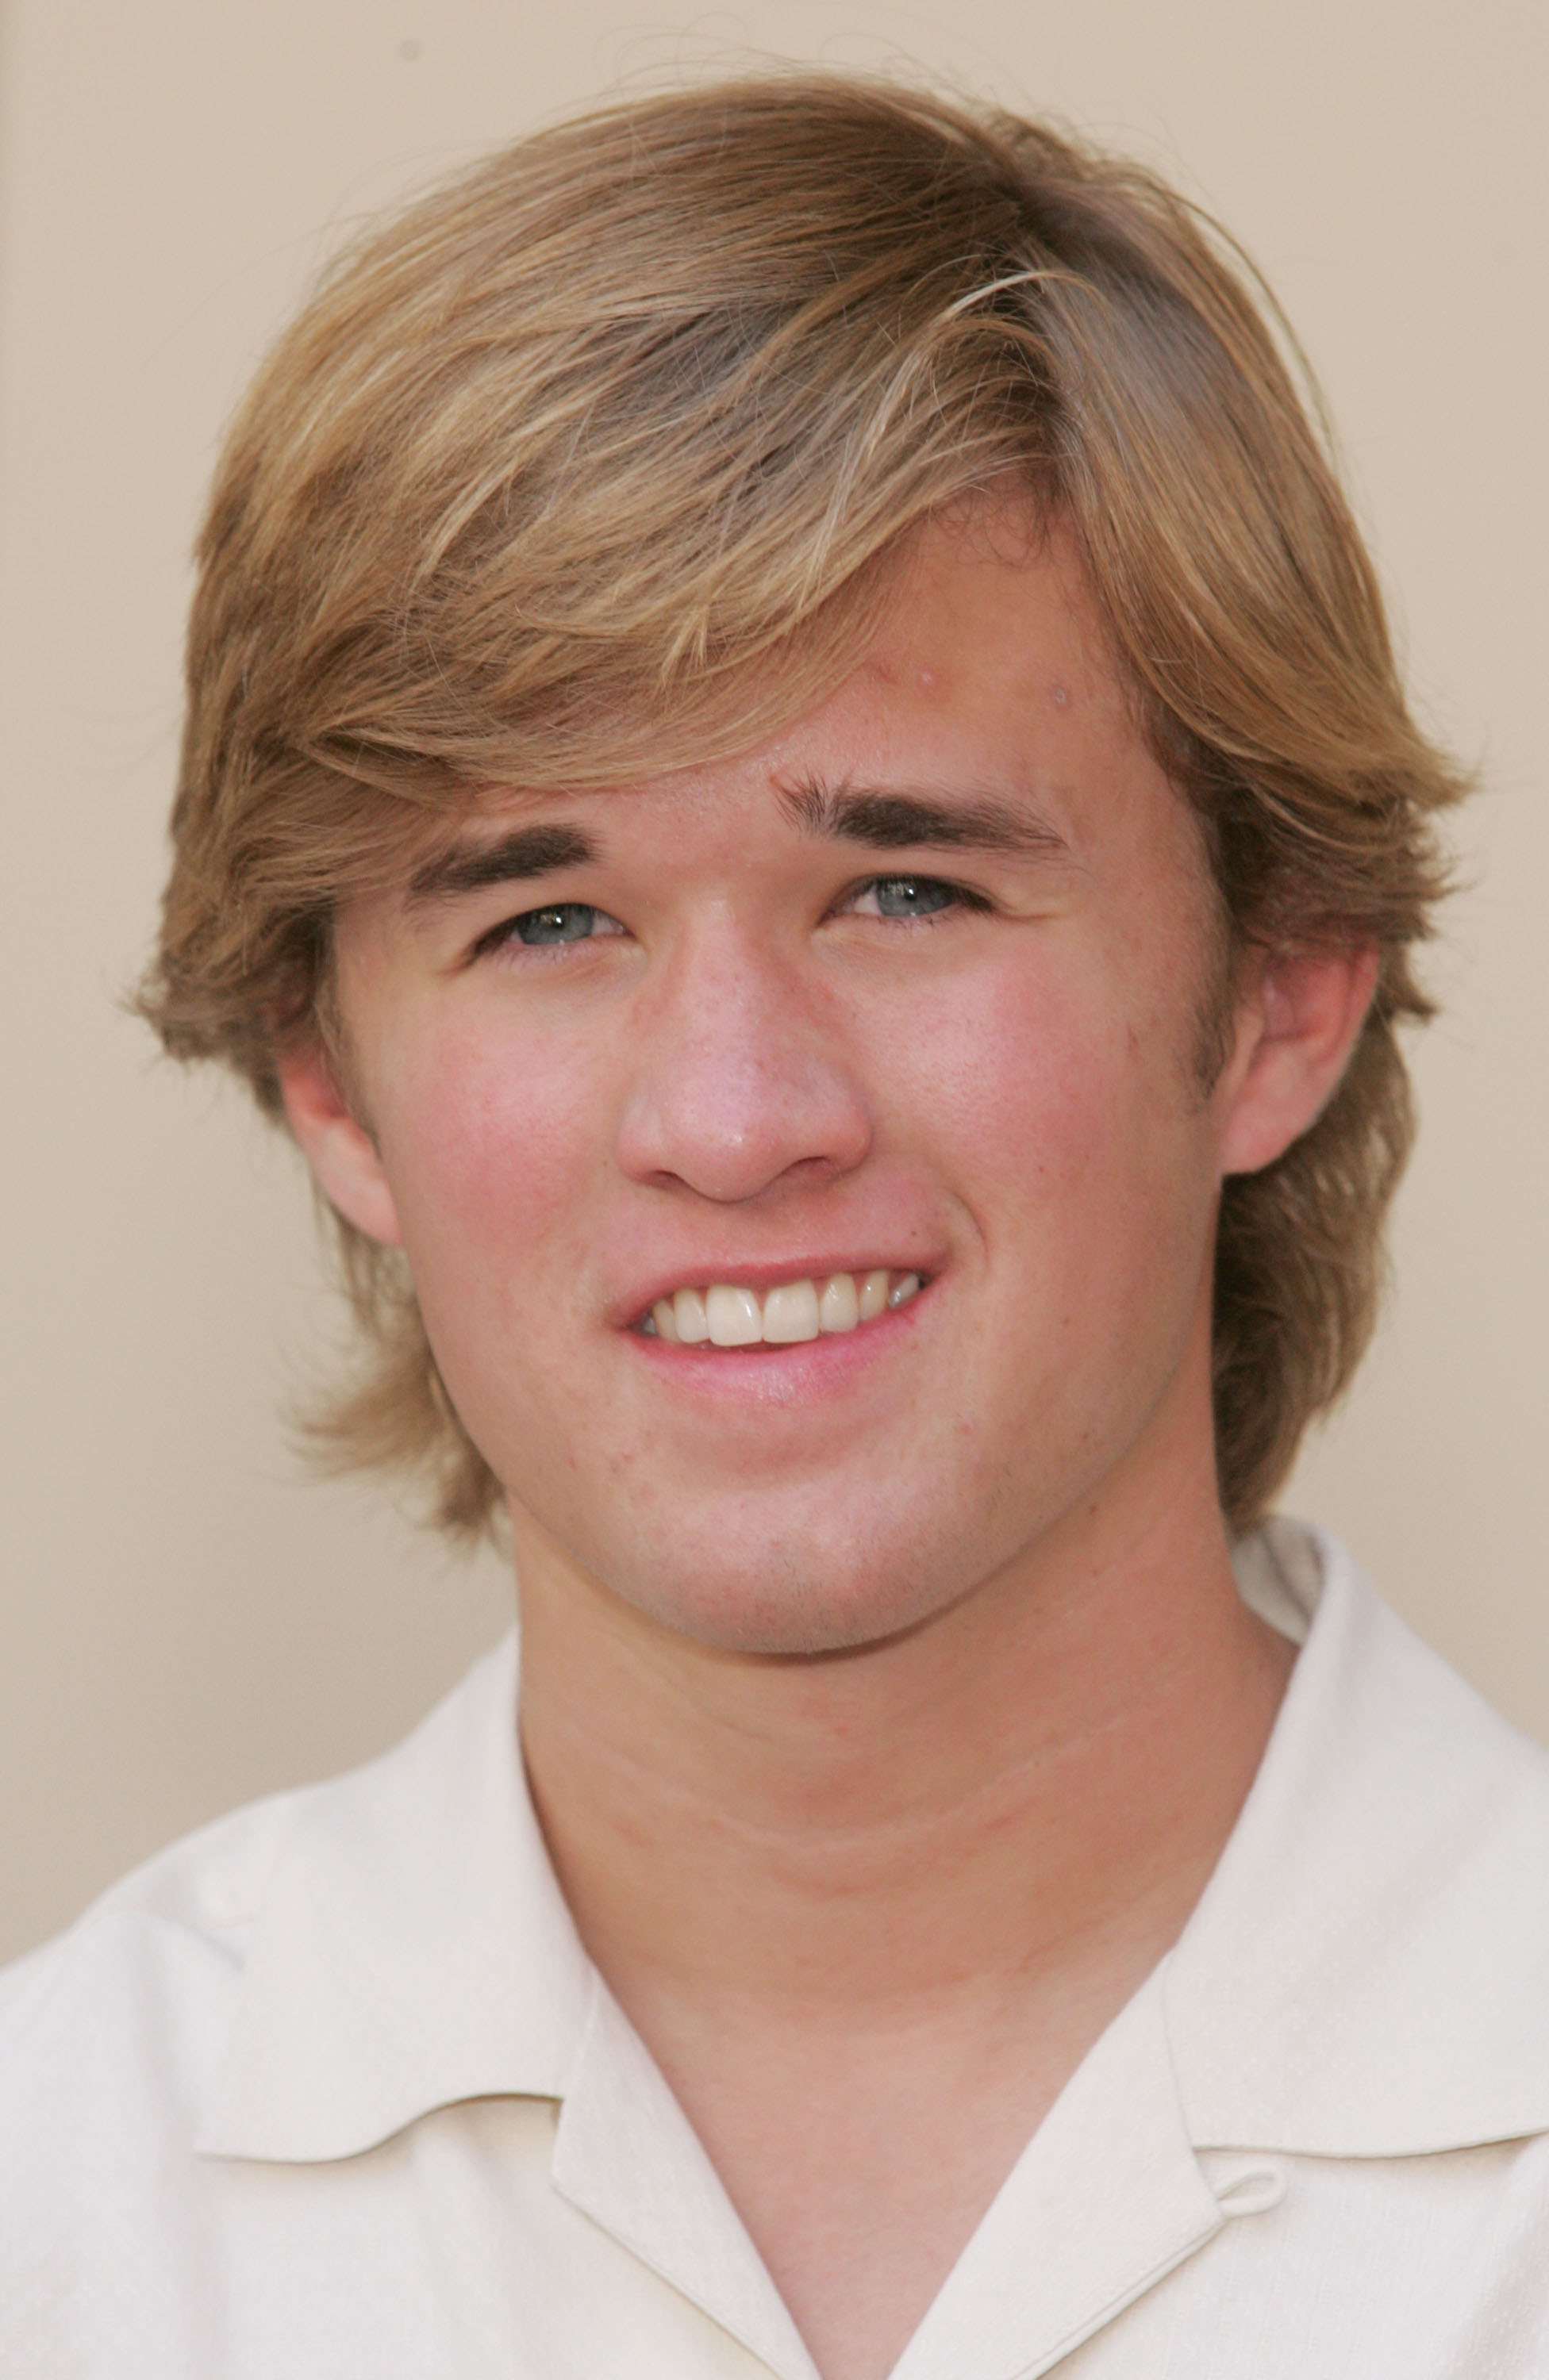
{"points": [[794, 1595]]}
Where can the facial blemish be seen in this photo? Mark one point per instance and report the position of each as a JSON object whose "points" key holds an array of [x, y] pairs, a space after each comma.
{"points": [[1059, 695]]}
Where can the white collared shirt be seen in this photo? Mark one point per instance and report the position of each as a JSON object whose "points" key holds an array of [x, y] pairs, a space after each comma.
{"points": [[332, 2092]]}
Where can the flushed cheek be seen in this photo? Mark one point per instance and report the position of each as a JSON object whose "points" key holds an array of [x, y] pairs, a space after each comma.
{"points": [[490, 1149], [1035, 1091], [1078, 1172]]}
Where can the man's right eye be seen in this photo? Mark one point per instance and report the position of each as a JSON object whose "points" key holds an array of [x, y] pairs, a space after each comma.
{"points": [[561, 921]]}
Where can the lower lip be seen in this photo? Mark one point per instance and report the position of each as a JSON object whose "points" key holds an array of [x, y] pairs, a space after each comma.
{"points": [[781, 1374]]}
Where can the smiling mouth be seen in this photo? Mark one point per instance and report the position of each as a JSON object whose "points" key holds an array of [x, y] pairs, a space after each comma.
{"points": [[727, 1314]]}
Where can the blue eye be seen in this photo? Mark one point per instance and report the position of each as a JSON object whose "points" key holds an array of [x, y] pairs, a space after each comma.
{"points": [[567, 921], [912, 896]]}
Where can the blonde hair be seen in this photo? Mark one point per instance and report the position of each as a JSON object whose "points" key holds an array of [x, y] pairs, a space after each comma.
{"points": [[550, 462]]}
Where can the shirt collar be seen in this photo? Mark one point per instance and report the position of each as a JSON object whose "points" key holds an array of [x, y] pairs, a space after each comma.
{"points": [[410, 1946], [1379, 1895], [1367, 1972]]}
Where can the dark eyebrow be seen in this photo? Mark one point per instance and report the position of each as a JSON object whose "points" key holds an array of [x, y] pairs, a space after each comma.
{"points": [[526, 852], [889, 820]]}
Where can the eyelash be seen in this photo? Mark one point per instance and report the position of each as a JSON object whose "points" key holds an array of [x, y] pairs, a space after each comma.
{"points": [[960, 897], [508, 931]]}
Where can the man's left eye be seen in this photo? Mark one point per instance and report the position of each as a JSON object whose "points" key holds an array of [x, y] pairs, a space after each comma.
{"points": [[908, 896], [562, 921]]}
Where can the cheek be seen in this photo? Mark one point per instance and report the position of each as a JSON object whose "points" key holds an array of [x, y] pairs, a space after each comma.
{"points": [[1074, 1145], [1050, 1086], [489, 1147]]}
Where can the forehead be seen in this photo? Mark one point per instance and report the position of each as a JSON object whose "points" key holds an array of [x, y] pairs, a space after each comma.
{"points": [[988, 680], [993, 647], [988, 691], [995, 589]]}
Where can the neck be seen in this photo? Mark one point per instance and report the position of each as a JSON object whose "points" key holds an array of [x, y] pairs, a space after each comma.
{"points": [[869, 1909], [1035, 1783]]}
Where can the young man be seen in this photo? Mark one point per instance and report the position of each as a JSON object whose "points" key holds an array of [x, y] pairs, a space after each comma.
{"points": [[796, 786]]}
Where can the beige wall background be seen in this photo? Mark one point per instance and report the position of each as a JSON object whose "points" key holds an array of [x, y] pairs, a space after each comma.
{"points": [[187, 1621]]}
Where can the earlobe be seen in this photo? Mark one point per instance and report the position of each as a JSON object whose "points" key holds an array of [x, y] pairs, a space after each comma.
{"points": [[342, 1154], [1297, 1031]]}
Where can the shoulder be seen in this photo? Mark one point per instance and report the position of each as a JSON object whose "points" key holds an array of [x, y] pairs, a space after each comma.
{"points": [[123, 2025], [128, 2007]]}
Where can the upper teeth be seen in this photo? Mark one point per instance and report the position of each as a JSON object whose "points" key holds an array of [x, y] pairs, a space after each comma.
{"points": [[730, 1316]]}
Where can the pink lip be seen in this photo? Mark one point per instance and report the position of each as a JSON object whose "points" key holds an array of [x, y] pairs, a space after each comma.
{"points": [[630, 1310]]}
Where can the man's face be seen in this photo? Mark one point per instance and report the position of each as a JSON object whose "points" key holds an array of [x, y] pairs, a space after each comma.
{"points": [[916, 988]]}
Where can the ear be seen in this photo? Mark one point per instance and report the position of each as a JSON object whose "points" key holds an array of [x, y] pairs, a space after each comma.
{"points": [[341, 1152], [1297, 1026]]}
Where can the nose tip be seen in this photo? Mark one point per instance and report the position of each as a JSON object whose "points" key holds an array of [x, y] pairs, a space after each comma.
{"points": [[738, 1090], [733, 1139]]}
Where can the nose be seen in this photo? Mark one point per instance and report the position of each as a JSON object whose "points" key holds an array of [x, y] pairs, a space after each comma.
{"points": [[740, 1081]]}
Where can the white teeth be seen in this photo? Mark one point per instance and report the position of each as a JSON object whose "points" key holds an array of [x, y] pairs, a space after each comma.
{"points": [[838, 1308], [730, 1316], [873, 1296], [734, 1318], [790, 1312], [693, 1323]]}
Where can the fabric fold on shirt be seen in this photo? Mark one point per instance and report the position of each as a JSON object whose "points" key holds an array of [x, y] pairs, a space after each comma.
{"points": [[411, 1947], [344, 2088], [1367, 1972]]}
